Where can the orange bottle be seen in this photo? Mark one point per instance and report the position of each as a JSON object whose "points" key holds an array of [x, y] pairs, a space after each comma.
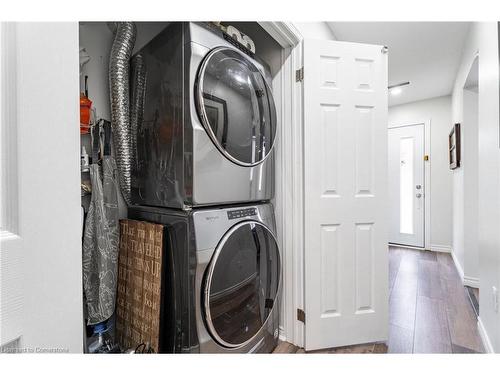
{"points": [[85, 107]]}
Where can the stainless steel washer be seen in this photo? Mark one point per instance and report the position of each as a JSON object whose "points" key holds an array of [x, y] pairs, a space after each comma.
{"points": [[225, 277], [209, 123]]}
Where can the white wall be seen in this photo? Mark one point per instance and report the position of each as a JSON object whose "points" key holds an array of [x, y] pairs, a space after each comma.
{"points": [[469, 130], [483, 39], [315, 30], [438, 111]]}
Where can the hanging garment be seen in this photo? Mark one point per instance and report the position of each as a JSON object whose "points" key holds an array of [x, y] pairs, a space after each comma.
{"points": [[101, 236]]}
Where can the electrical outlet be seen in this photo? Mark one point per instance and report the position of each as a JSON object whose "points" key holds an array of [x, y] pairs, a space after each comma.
{"points": [[495, 298]]}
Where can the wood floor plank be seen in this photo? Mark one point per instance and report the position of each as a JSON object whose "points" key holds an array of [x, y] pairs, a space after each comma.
{"points": [[429, 280], [402, 309], [353, 349], [400, 340], [428, 255], [409, 262], [405, 285], [461, 350], [431, 327], [380, 348], [285, 348], [394, 261], [447, 269], [462, 320], [429, 309]]}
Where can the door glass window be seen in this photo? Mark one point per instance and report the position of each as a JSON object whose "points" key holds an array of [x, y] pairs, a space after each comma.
{"points": [[242, 284], [406, 185], [236, 106]]}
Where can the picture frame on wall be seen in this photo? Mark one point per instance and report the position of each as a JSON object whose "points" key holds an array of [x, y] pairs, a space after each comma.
{"points": [[454, 147]]}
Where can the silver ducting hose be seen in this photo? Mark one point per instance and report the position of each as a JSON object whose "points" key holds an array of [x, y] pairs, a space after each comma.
{"points": [[123, 44], [138, 77]]}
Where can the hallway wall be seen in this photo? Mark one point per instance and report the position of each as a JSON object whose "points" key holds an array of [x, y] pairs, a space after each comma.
{"points": [[483, 39], [438, 111], [469, 130]]}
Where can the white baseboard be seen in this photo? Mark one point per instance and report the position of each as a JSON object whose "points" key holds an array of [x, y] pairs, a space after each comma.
{"points": [[458, 266], [281, 334], [484, 337], [440, 248], [473, 282]]}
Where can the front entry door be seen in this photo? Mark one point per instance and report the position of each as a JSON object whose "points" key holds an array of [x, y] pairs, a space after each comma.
{"points": [[345, 193], [406, 185]]}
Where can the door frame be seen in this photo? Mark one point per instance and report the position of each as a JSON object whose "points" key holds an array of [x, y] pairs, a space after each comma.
{"points": [[289, 199], [427, 176]]}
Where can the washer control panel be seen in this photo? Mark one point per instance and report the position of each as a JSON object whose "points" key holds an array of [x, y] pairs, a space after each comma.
{"points": [[237, 214]]}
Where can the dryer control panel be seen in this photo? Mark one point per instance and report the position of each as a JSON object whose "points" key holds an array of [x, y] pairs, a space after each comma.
{"points": [[237, 214]]}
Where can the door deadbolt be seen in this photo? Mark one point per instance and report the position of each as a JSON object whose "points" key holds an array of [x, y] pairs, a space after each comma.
{"points": [[418, 187]]}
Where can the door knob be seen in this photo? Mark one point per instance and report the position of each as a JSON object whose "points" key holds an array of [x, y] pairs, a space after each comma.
{"points": [[419, 195]]}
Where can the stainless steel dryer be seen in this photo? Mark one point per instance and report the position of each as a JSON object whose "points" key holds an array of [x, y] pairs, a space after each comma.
{"points": [[222, 279], [209, 122]]}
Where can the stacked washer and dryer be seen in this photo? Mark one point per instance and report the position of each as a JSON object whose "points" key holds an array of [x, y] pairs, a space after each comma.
{"points": [[205, 169]]}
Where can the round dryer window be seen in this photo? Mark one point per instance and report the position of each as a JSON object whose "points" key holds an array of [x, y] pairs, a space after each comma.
{"points": [[242, 283], [236, 106]]}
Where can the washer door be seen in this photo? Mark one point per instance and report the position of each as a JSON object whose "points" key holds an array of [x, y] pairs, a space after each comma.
{"points": [[241, 284], [236, 107]]}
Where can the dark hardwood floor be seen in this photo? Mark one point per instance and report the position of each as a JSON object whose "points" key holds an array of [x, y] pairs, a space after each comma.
{"points": [[429, 309]]}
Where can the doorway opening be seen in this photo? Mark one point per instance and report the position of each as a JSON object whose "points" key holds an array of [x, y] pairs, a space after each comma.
{"points": [[470, 163]]}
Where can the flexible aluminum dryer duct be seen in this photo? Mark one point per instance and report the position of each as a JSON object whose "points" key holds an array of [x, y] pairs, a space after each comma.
{"points": [[123, 44], [138, 77]]}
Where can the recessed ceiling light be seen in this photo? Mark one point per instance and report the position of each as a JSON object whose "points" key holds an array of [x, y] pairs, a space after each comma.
{"points": [[396, 91]]}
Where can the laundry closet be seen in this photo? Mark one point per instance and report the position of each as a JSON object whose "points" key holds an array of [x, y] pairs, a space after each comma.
{"points": [[303, 187], [182, 120]]}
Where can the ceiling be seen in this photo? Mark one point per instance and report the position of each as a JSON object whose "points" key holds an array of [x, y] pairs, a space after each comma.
{"points": [[425, 53]]}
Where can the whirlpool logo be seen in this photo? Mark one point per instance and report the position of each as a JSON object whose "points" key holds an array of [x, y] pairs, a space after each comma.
{"points": [[211, 218]]}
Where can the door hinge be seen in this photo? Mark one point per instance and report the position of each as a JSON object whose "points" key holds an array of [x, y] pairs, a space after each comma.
{"points": [[301, 316], [299, 75]]}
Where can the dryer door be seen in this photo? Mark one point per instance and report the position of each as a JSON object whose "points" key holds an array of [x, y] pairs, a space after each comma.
{"points": [[241, 284], [236, 107]]}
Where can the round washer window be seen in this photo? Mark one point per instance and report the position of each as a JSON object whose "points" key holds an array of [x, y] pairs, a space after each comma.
{"points": [[241, 284], [236, 106]]}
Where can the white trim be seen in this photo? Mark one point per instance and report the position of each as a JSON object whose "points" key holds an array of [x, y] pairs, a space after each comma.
{"points": [[440, 248], [458, 266], [281, 334], [484, 337], [473, 282], [297, 194], [289, 190], [285, 33], [9, 192], [427, 175]]}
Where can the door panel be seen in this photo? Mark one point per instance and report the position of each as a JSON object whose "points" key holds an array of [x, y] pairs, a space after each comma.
{"points": [[406, 185], [345, 146]]}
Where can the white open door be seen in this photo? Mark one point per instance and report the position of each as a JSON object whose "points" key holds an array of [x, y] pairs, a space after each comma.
{"points": [[40, 221], [346, 203], [406, 185]]}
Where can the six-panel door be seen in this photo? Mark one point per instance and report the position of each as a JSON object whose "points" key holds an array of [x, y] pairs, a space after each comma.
{"points": [[345, 138]]}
